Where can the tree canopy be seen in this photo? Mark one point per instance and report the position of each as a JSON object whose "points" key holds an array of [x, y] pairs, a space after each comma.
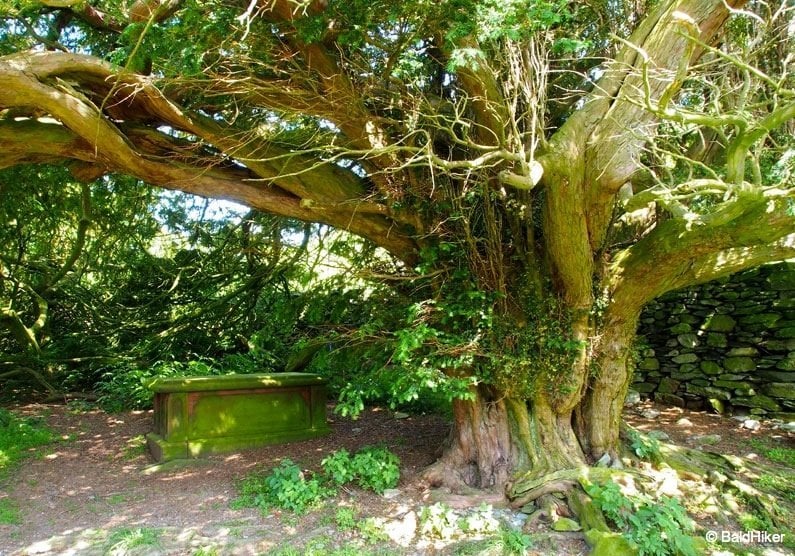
{"points": [[540, 170]]}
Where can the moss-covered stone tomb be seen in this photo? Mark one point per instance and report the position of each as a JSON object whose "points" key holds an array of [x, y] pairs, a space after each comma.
{"points": [[195, 416]]}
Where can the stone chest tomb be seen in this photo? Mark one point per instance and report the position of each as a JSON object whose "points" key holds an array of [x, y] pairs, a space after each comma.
{"points": [[195, 416]]}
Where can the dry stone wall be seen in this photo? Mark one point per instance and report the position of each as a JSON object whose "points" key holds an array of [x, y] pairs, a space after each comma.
{"points": [[728, 344]]}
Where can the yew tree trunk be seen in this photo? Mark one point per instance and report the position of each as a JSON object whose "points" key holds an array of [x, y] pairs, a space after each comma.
{"points": [[494, 436]]}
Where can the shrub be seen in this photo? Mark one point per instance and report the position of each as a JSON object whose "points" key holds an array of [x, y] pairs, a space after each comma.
{"points": [[345, 518], [658, 528], [289, 488], [647, 448], [286, 487], [374, 468], [438, 521], [514, 542], [124, 387]]}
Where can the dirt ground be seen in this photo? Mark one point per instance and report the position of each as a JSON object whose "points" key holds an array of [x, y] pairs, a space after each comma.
{"points": [[80, 495]]}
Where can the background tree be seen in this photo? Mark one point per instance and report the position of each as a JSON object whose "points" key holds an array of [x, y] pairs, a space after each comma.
{"points": [[541, 178]]}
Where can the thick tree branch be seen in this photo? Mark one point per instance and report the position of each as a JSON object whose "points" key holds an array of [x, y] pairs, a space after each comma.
{"points": [[614, 146], [688, 251], [276, 180]]}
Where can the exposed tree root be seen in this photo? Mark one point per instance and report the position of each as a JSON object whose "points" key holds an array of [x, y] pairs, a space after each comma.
{"points": [[729, 473], [442, 474], [724, 480], [528, 489]]}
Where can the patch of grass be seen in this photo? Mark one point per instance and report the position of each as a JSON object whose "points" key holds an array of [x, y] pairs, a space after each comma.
{"points": [[115, 499], [777, 454], [9, 512], [121, 541], [18, 436], [479, 547], [319, 546], [322, 546], [780, 485], [284, 551]]}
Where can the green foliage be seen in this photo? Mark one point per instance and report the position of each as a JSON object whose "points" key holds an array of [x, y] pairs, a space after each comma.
{"points": [[645, 447], [286, 487], [777, 454], [371, 530], [18, 436], [373, 468], [438, 521], [126, 387], [290, 488], [339, 467], [9, 512], [540, 352], [122, 541], [480, 521], [656, 527], [376, 468], [345, 519], [494, 21], [514, 542]]}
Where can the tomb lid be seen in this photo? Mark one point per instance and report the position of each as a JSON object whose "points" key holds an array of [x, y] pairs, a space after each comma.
{"points": [[233, 382]]}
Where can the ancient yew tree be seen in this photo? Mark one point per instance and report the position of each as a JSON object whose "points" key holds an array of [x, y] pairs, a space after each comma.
{"points": [[540, 169]]}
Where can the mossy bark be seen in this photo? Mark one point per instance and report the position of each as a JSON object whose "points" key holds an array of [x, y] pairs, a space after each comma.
{"points": [[496, 438]]}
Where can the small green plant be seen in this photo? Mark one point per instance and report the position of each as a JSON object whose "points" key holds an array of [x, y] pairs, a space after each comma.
{"points": [[339, 467], [9, 512], [647, 448], [376, 468], [122, 541], [658, 528], [345, 518], [438, 521], [514, 542], [289, 488], [18, 436], [373, 467], [286, 487], [784, 456], [372, 530], [480, 521]]}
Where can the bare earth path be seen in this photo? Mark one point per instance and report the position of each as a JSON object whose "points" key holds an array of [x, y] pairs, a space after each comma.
{"points": [[98, 480], [83, 493]]}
